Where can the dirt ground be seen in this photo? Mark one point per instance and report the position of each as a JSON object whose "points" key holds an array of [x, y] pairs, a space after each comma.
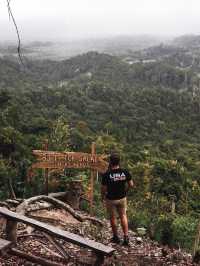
{"points": [[142, 251]]}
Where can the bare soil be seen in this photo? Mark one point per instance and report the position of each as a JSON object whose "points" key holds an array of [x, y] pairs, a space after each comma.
{"points": [[142, 251]]}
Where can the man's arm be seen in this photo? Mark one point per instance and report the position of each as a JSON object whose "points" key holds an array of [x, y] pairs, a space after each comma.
{"points": [[130, 184]]}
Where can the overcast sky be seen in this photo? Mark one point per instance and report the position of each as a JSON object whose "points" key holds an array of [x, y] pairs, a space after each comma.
{"points": [[66, 19]]}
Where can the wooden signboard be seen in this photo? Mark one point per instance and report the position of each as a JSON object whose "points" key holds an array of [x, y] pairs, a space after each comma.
{"points": [[51, 161], [62, 160]]}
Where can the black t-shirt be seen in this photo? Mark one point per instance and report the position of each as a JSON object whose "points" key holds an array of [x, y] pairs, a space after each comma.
{"points": [[115, 181]]}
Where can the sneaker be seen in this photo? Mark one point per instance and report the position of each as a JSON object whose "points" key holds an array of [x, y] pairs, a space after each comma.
{"points": [[126, 241], [115, 240]]}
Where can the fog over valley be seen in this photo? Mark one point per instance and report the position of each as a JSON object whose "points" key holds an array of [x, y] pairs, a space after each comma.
{"points": [[66, 20]]}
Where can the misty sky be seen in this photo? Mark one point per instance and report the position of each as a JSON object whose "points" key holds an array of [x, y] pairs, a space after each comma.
{"points": [[66, 19]]}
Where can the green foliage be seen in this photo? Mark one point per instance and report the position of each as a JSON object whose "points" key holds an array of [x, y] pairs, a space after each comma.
{"points": [[163, 229], [59, 138], [105, 144], [184, 231], [139, 218], [4, 174], [176, 230], [168, 177], [99, 208]]}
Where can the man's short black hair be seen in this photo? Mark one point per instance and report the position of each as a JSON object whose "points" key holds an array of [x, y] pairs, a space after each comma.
{"points": [[114, 159]]}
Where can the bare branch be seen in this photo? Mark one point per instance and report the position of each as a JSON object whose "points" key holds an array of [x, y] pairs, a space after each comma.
{"points": [[17, 31]]}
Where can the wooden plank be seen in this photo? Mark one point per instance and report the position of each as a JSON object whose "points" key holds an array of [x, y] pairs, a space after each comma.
{"points": [[56, 232], [4, 245]]}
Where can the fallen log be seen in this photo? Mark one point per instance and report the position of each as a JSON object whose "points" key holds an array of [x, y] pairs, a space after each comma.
{"points": [[44, 244], [44, 219], [22, 208], [38, 206], [58, 247], [59, 195], [51, 251], [4, 204], [29, 235], [13, 202], [33, 258]]}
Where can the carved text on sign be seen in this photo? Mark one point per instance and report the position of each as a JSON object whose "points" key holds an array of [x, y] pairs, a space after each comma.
{"points": [[49, 159]]}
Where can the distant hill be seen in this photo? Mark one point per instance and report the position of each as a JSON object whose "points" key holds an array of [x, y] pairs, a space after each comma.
{"points": [[103, 68], [120, 45], [188, 41], [10, 73], [88, 85], [114, 70]]}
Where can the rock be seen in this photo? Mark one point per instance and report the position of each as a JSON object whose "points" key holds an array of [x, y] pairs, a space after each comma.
{"points": [[164, 251], [196, 258], [139, 240], [141, 231]]}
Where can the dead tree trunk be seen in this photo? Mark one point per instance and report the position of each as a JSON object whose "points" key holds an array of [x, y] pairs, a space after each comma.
{"points": [[197, 239], [74, 193], [11, 190], [11, 231]]}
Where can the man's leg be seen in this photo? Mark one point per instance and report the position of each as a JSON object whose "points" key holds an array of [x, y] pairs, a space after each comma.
{"points": [[113, 221], [123, 219]]}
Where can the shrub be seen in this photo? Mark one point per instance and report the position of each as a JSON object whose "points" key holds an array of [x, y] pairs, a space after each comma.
{"points": [[163, 229], [184, 229], [176, 230], [139, 218]]}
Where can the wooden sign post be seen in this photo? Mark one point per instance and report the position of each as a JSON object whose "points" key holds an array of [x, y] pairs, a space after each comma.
{"points": [[46, 170], [50, 160], [93, 174], [197, 240]]}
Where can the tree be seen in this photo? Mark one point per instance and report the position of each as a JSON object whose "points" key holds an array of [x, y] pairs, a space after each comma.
{"points": [[60, 135]]}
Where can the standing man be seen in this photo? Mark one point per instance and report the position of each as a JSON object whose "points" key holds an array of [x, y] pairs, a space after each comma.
{"points": [[115, 184]]}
